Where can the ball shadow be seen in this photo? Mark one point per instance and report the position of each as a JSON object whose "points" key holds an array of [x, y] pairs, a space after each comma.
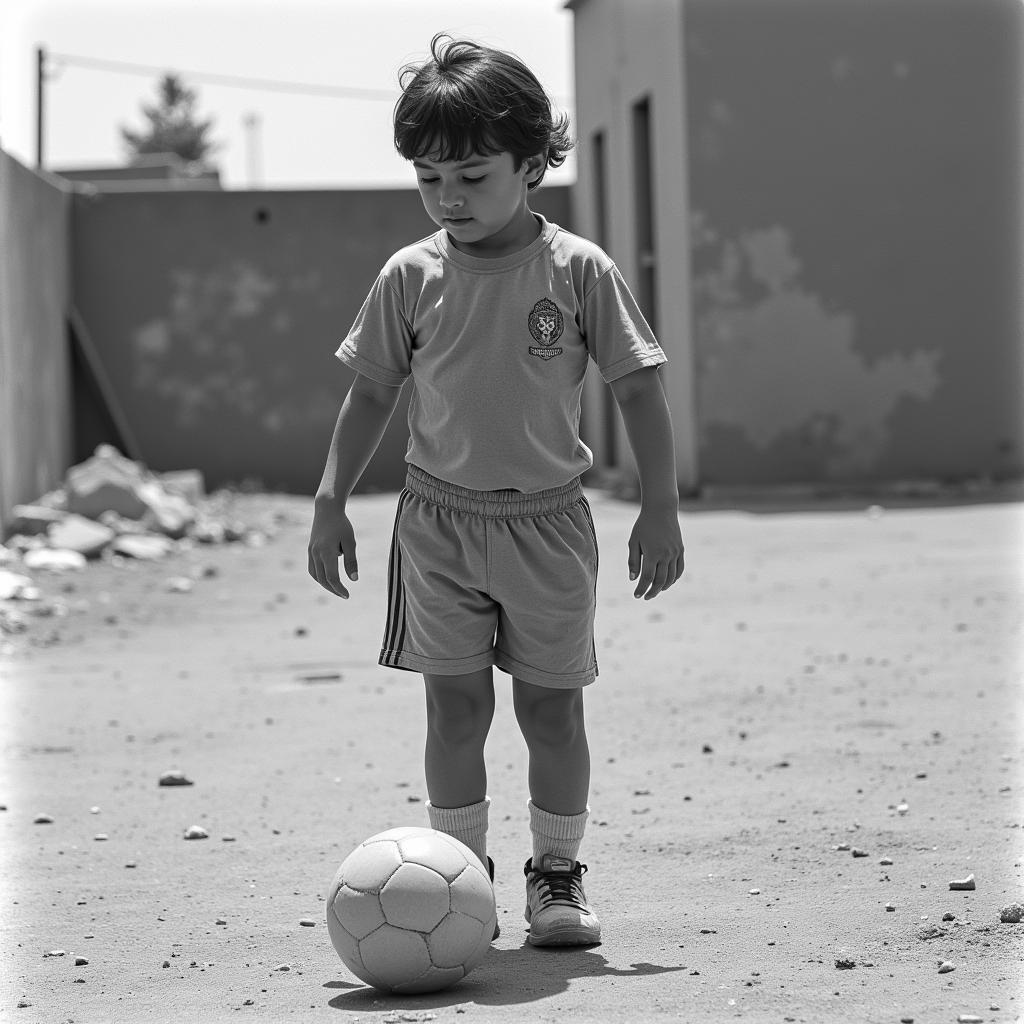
{"points": [[506, 977]]}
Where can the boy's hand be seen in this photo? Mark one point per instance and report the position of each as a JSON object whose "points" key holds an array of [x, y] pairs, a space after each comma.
{"points": [[330, 537], [655, 552]]}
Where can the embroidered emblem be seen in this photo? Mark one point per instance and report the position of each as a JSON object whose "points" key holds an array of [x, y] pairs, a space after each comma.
{"points": [[546, 326]]}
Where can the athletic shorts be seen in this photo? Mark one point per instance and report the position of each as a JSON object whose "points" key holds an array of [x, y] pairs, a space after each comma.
{"points": [[481, 578]]}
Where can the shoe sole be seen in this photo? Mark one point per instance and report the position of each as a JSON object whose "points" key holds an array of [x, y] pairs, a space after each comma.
{"points": [[565, 937]]}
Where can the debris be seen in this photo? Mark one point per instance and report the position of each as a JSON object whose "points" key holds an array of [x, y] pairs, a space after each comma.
{"points": [[962, 884], [220, 920], [930, 931], [43, 819], [945, 967], [120, 524], [80, 961], [196, 832], [54, 559], [969, 1018], [13, 585], [1012, 913], [180, 585], [307, 922], [209, 531], [755, 892], [54, 952], [34, 519], [100, 837], [186, 483], [890, 908], [174, 777], [148, 546], [283, 967], [886, 862], [845, 965], [76, 533], [860, 853], [902, 808], [948, 916]]}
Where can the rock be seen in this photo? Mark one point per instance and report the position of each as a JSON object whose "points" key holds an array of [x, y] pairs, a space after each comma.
{"points": [[196, 832], [307, 922], [930, 931], [220, 920], [209, 531], [890, 908], [54, 559], [886, 862], [100, 837], [11, 622], [860, 853], [180, 585], [845, 965], [902, 808], [945, 967], [969, 1018], [105, 482], [147, 547], [963, 884], [283, 967], [42, 819], [34, 519], [186, 483], [55, 952], [1012, 913], [167, 513], [12, 585], [80, 961], [948, 916], [174, 777], [120, 524], [76, 533]]}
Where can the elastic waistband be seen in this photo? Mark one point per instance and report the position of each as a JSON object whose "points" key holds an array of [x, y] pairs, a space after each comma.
{"points": [[492, 504]]}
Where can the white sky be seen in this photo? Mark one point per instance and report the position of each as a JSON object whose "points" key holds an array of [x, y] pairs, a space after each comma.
{"points": [[301, 141]]}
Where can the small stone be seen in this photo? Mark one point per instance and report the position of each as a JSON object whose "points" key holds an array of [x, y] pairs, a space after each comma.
{"points": [[886, 862], [54, 952], [843, 847], [54, 559], [755, 892], [180, 585], [94, 810], [80, 961], [890, 908], [307, 922], [906, 1020], [130, 864], [707, 749], [962, 884], [902, 808], [13, 585], [708, 931], [76, 533], [220, 920], [921, 775], [845, 965], [283, 967], [227, 839], [969, 1018], [42, 819], [860, 853], [948, 916], [930, 931], [146, 547], [1012, 913], [174, 777], [100, 837], [945, 967], [166, 964], [196, 832]]}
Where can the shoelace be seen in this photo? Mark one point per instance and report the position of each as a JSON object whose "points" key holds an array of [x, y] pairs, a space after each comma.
{"points": [[559, 887]]}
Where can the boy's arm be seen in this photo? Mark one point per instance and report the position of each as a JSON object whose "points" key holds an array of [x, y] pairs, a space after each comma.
{"points": [[656, 543], [364, 415]]}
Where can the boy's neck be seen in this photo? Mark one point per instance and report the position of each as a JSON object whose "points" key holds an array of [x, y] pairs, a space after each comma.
{"points": [[517, 234]]}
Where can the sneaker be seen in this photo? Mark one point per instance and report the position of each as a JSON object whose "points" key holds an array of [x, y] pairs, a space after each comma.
{"points": [[556, 906], [490, 871]]}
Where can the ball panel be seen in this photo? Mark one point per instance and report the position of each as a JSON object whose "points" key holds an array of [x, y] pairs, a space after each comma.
{"points": [[394, 956], [457, 938], [415, 897], [347, 948], [370, 865], [435, 979], [397, 834], [471, 894], [359, 913], [432, 851]]}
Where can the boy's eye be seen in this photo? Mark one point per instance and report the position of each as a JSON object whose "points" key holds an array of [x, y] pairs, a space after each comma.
{"points": [[473, 181], [428, 181]]}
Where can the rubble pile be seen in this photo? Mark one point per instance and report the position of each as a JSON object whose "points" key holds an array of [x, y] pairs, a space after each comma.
{"points": [[113, 509]]}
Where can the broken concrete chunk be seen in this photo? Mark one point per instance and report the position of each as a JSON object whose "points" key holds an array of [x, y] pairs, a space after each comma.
{"points": [[54, 559], [13, 585], [174, 777], [76, 533], [34, 519], [1012, 913], [119, 524], [188, 483], [106, 481], [147, 546], [963, 884]]}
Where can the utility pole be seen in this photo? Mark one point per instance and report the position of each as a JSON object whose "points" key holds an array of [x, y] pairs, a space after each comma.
{"points": [[40, 104]]}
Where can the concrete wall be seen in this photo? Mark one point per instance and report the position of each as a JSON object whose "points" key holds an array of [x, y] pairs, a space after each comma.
{"points": [[628, 52], [35, 393], [855, 194], [217, 315]]}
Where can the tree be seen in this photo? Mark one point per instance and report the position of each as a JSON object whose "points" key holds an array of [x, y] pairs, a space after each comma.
{"points": [[172, 127]]}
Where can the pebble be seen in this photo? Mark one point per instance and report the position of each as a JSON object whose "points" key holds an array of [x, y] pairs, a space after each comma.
{"points": [[283, 967], [845, 965], [843, 846], [100, 837], [43, 819], [962, 883], [945, 967], [859, 853], [196, 832], [930, 931], [755, 892], [886, 862], [902, 808], [1012, 913], [54, 952], [890, 907], [220, 920], [906, 1020], [307, 922], [94, 810], [80, 961], [54, 559], [969, 1018], [174, 777], [180, 585]]}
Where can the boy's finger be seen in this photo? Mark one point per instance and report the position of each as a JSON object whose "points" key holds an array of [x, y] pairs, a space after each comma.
{"points": [[658, 583], [633, 561], [646, 579]]}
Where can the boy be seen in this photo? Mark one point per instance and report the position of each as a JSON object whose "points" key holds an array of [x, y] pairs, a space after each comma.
{"points": [[494, 556]]}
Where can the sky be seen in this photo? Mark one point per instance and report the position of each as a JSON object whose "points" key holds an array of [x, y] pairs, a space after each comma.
{"points": [[293, 140]]}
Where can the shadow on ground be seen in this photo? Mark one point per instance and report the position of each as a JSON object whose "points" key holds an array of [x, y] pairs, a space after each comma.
{"points": [[506, 978]]}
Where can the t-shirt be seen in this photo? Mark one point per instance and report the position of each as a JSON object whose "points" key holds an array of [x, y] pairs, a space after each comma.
{"points": [[497, 349]]}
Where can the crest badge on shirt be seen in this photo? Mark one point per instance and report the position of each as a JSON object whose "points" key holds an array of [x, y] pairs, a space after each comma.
{"points": [[546, 327]]}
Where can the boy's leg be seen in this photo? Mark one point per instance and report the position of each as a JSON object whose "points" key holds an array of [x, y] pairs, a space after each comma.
{"points": [[553, 726], [459, 714]]}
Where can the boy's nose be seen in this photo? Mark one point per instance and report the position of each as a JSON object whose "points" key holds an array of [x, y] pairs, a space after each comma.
{"points": [[451, 202]]}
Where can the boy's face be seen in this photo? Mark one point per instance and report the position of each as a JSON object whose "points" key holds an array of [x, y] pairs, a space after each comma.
{"points": [[480, 201]]}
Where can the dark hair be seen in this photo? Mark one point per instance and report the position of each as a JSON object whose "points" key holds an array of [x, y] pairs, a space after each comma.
{"points": [[468, 99]]}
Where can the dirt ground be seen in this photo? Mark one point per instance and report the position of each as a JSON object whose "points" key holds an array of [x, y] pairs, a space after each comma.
{"points": [[827, 690]]}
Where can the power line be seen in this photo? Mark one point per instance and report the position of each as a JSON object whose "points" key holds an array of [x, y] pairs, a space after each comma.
{"points": [[237, 81]]}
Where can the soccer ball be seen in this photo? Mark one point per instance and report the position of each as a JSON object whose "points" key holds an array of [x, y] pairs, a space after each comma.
{"points": [[411, 910]]}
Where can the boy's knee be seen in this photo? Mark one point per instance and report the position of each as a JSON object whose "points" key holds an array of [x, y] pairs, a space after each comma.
{"points": [[553, 719], [458, 718]]}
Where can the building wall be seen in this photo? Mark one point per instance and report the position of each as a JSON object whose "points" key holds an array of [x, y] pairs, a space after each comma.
{"points": [[627, 53], [855, 194], [217, 314], [35, 393]]}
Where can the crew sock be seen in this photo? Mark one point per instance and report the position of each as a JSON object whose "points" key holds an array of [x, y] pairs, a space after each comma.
{"points": [[468, 824], [557, 834]]}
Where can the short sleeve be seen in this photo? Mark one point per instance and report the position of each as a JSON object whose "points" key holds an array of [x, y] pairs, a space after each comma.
{"points": [[379, 345], [618, 337]]}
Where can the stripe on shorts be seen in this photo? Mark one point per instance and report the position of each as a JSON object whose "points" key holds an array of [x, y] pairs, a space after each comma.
{"points": [[394, 629]]}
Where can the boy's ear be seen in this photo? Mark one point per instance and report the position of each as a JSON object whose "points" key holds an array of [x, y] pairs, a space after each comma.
{"points": [[534, 167]]}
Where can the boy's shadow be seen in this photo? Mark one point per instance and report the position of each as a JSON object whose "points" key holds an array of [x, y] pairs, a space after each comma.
{"points": [[505, 978]]}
